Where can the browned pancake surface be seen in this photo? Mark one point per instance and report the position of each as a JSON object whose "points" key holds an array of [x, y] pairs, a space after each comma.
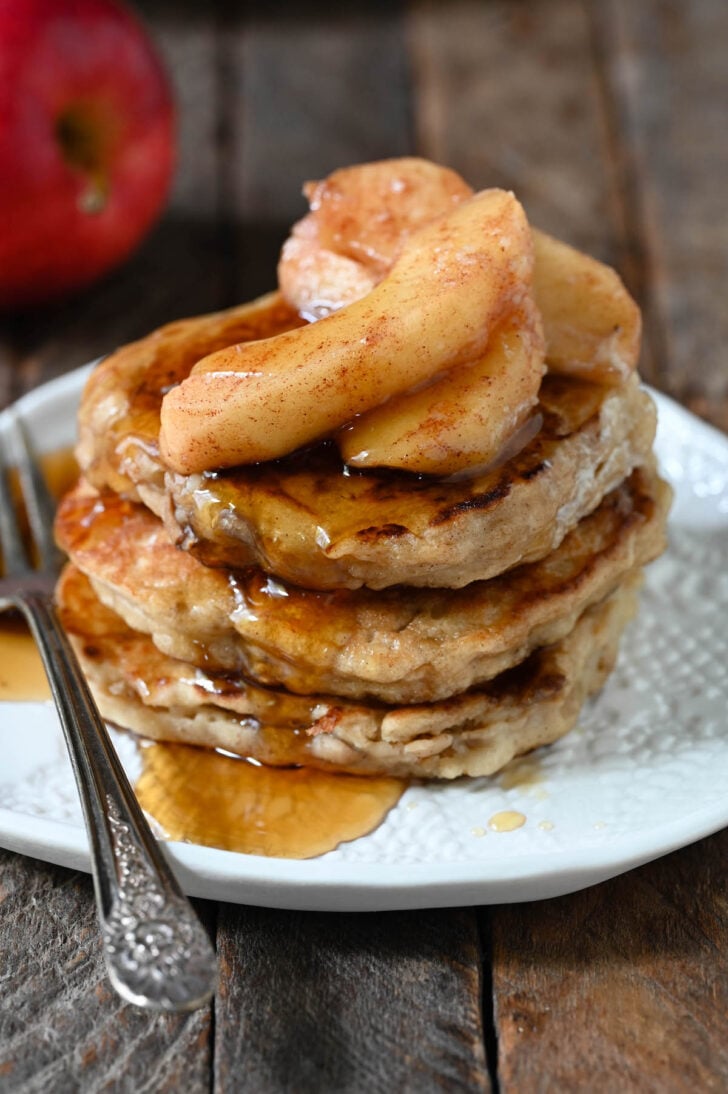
{"points": [[398, 645], [476, 733], [314, 523], [119, 412]]}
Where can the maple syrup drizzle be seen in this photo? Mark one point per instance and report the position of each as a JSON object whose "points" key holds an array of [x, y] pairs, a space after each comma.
{"points": [[22, 677], [202, 796]]}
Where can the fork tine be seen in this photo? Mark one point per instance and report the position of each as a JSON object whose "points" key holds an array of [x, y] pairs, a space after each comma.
{"points": [[15, 556], [39, 502]]}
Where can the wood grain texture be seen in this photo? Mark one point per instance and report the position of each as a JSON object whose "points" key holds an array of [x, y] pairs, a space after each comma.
{"points": [[62, 1027], [602, 118], [329, 1004], [621, 987], [309, 87], [666, 83], [506, 95]]}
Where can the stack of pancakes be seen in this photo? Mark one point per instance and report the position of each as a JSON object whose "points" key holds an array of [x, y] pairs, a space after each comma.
{"points": [[301, 612]]}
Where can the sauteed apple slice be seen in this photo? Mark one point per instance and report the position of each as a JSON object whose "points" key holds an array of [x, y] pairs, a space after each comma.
{"points": [[591, 323], [464, 420], [359, 218], [453, 282]]}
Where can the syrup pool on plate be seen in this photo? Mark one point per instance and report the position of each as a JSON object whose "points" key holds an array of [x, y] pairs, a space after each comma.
{"points": [[22, 677], [203, 796]]}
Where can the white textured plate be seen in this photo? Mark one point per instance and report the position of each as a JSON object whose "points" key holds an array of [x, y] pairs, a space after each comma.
{"points": [[645, 772]]}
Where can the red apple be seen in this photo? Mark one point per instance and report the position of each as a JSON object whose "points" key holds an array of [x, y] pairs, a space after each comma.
{"points": [[86, 143]]}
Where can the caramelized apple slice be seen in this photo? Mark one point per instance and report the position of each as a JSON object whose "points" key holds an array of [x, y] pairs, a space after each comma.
{"points": [[454, 281], [467, 418], [360, 218], [591, 323]]}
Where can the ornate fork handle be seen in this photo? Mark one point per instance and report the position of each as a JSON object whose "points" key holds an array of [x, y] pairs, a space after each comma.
{"points": [[157, 952]]}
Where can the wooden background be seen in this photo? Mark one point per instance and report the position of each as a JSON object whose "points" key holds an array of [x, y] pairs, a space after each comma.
{"points": [[609, 121]]}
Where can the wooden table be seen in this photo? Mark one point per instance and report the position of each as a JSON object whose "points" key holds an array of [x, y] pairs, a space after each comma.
{"points": [[609, 121]]}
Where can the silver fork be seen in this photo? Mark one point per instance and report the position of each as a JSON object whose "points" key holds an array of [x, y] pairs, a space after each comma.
{"points": [[157, 952]]}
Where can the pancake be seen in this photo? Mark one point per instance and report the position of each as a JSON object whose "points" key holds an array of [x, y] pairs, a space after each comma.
{"points": [[399, 645], [310, 522], [313, 522], [476, 733], [118, 418], [370, 620]]}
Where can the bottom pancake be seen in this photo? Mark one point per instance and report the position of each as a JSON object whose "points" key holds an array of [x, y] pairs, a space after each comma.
{"points": [[474, 733]]}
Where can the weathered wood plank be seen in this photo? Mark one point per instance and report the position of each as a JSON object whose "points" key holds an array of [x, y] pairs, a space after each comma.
{"points": [[666, 85], [621, 987], [506, 95], [62, 1027], [562, 101], [309, 88], [324, 1003]]}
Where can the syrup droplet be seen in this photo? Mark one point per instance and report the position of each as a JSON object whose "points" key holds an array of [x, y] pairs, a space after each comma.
{"points": [[507, 821], [201, 796]]}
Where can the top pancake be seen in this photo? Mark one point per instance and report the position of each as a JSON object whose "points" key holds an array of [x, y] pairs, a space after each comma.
{"points": [[310, 521]]}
